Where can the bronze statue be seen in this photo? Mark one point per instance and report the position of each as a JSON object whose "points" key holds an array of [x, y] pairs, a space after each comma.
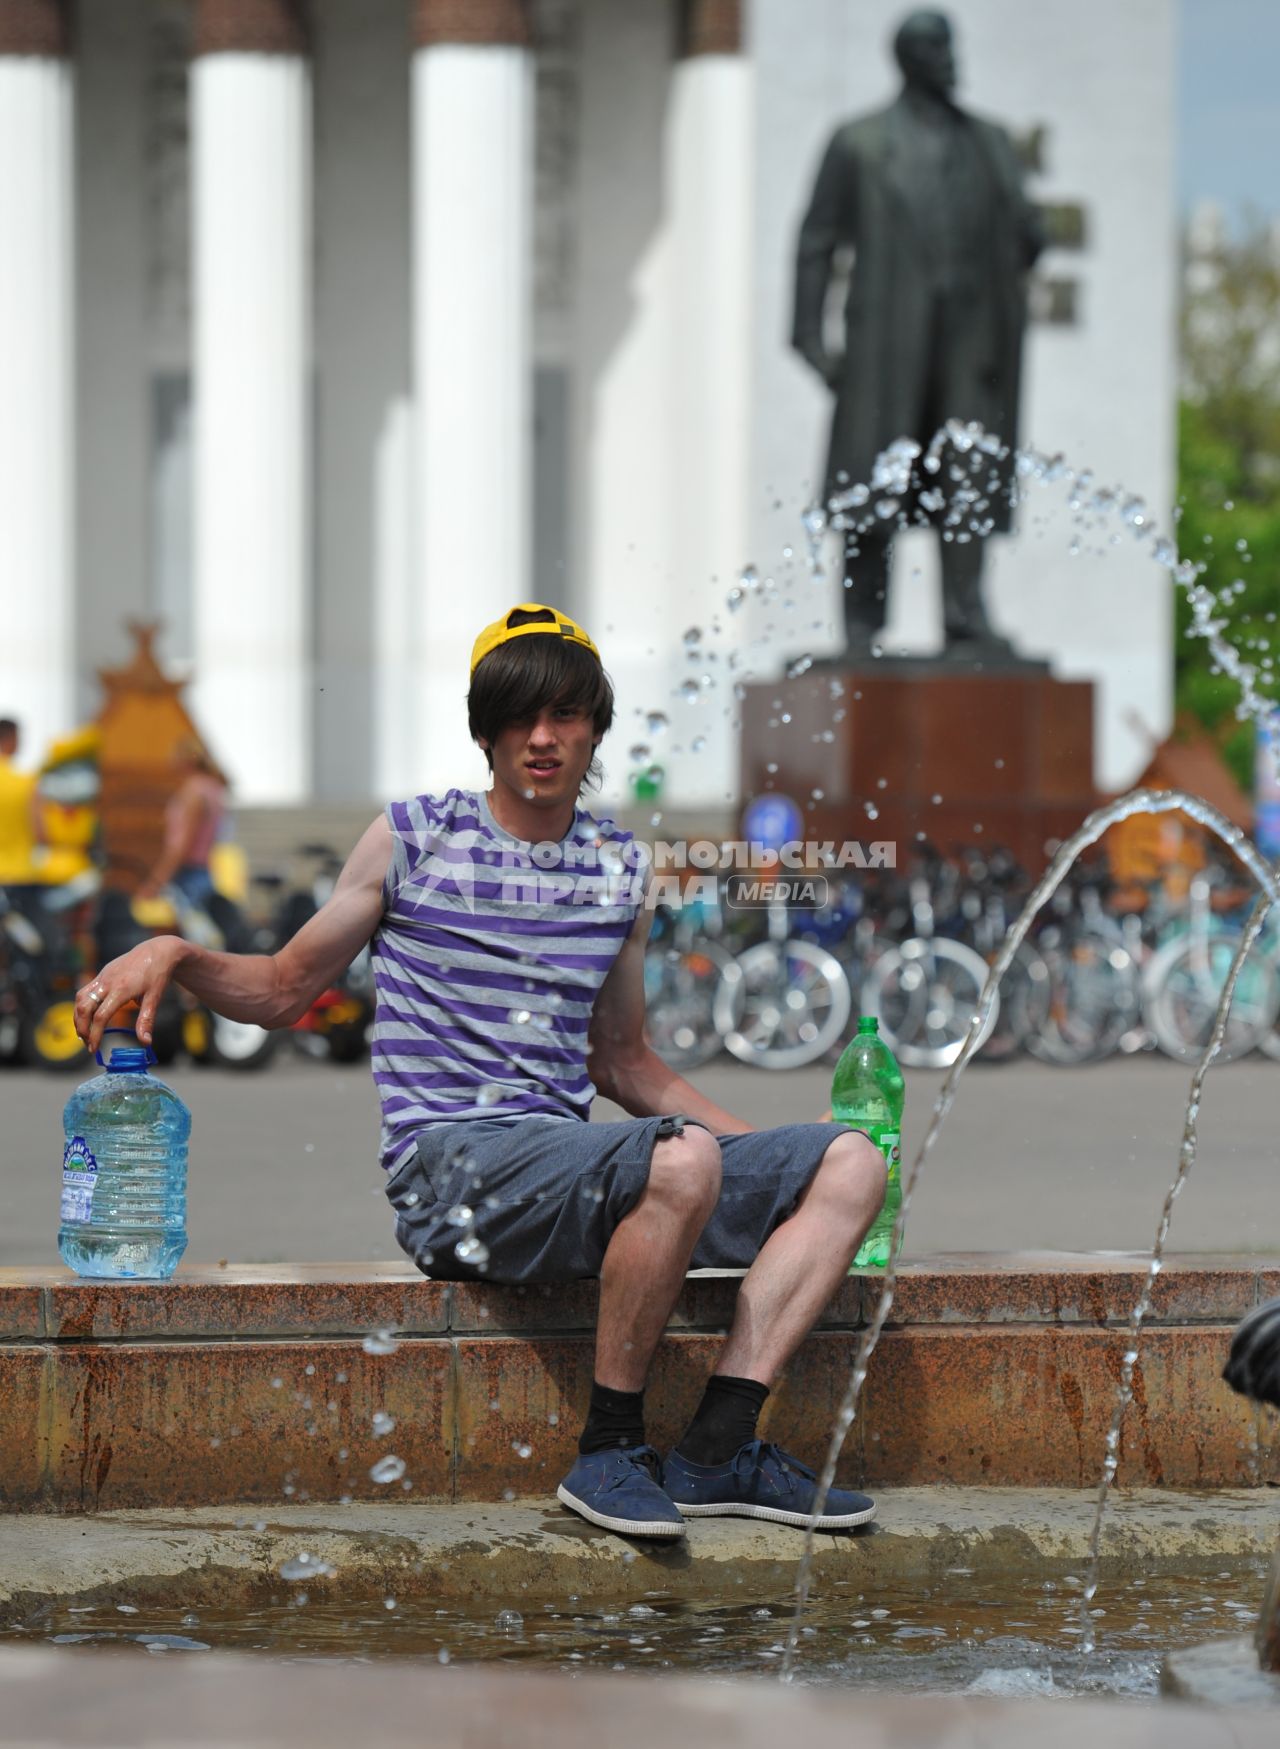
{"points": [[930, 200]]}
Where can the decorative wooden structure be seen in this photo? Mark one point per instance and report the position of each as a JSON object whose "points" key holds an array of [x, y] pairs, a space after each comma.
{"points": [[143, 722], [1171, 847]]}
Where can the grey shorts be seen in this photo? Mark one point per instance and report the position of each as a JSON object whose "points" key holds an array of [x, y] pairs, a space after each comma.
{"points": [[538, 1200]]}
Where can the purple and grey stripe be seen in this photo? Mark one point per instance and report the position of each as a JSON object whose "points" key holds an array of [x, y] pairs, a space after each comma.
{"points": [[487, 963]]}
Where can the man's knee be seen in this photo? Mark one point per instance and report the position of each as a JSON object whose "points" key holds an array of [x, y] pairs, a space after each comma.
{"points": [[684, 1173], [853, 1174]]}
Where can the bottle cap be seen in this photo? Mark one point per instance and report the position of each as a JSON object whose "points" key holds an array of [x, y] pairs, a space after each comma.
{"points": [[127, 1058], [868, 1023]]}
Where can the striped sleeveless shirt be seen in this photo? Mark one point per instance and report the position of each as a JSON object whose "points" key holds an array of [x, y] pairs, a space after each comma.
{"points": [[486, 964]]}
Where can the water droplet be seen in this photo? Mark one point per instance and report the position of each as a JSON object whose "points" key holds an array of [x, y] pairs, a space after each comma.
{"points": [[935, 798], [460, 1215], [471, 1250], [305, 1566], [690, 691], [817, 794], [692, 636], [381, 1342], [521, 1449], [382, 1423], [656, 722], [509, 1621], [871, 810], [387, 1469], [489, 1095], [639, 753], [771, 767], [698, 744]]}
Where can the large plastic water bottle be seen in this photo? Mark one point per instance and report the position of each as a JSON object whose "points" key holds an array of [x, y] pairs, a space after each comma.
{"points": [[867, 1092], [124, 1172]]}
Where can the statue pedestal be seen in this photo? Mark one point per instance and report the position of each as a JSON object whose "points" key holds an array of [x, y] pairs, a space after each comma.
{"points": [[1008, 754]]}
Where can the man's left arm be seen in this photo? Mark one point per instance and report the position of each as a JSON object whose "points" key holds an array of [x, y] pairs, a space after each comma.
{"points": [[621, 1063]]}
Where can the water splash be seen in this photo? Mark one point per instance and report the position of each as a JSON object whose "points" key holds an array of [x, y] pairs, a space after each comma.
{"points": [[1137, 802], [963, 508]]}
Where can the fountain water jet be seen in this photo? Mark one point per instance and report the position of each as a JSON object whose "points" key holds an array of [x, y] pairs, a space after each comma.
{"points": [[1137, 802]]}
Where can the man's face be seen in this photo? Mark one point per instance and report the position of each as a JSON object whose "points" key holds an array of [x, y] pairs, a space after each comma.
{"points": [[8, 744], [545, 760], [926, 54]]}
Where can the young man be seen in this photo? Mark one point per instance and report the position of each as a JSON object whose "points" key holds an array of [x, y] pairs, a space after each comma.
{"points": [[508, 933]]}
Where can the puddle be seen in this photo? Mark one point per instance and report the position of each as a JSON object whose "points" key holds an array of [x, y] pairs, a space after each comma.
{"points": [[954, 1634]]}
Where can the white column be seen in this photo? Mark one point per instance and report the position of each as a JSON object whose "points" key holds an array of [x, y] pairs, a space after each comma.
{"points": [[472, 218], [621, 383], [709, 170], [36, 373], [663, 380], [250, 115]]}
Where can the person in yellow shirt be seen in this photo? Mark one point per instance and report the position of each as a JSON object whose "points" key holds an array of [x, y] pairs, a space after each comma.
{"points": [[19, 819]]}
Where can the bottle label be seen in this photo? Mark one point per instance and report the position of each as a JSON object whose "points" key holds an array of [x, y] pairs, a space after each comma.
{"points": [[889, 1146], [79, 1176]]}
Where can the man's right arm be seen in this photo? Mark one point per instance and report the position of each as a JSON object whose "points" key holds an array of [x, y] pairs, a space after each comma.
{"points": [[270, 989]]}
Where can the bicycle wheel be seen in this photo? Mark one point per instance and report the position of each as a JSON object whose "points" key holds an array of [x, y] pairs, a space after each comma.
{"points": [[1024, 1004], [1095, 998], [1186, 985], [928, 1033], [240, 1044], [783, 1005], [680, 997]]}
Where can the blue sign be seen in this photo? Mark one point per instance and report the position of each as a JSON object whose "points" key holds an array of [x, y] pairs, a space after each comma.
{"points": [[772, 820], [1266, 788]]}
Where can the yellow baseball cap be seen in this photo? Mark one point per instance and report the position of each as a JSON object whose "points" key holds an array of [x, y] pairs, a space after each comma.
{"points": [[502, 631]]}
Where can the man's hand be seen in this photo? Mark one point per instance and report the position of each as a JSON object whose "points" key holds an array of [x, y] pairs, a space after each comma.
{"points": [[141, 975]]}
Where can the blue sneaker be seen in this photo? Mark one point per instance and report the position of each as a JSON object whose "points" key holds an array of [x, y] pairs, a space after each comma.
{"points": [[620, 1491], [760, 1481]]}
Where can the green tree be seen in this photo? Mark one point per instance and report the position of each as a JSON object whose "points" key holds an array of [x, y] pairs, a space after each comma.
{"points": [[1229, 475]]}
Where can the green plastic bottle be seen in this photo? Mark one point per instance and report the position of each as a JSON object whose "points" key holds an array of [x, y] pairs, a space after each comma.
{"points": [[867, 1092]]}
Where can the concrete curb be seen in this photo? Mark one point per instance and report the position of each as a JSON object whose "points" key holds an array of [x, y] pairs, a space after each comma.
{"points": [[208, 1556], [66, 1701]]}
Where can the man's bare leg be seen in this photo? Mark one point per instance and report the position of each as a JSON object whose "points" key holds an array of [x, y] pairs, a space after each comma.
{"points": [[647, 1259], [781, 1298], [614, 1482], [803, 1263]]}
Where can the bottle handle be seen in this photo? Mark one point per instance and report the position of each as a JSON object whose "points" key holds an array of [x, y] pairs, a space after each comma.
{"points": [[128, 1032]]}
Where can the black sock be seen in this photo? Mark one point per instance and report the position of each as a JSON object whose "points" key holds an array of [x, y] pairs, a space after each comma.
{"points": [[615, 1418], [726, 1419]]}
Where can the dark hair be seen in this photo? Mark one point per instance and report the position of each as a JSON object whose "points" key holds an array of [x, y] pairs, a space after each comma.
{"points": [[8, 727], [527, 675]]}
